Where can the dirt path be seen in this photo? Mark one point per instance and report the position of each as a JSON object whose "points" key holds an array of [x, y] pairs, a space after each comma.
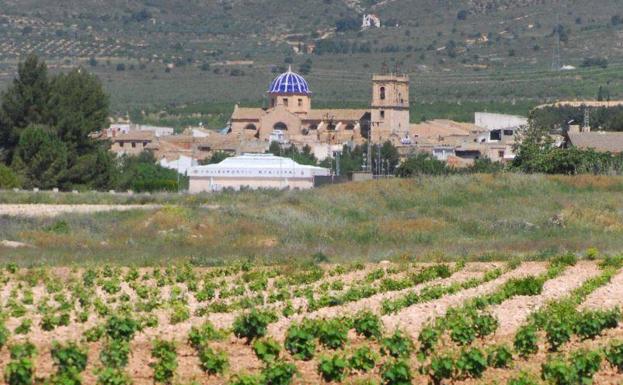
{"points": [[513, 313], [413, 318], [606, 297], [50, 210]]}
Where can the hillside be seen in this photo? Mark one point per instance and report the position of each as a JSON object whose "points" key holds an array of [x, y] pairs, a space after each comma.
{"points": [[157, 53], [477, 217]]}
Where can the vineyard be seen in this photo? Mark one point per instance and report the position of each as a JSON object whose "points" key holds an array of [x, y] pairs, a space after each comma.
{"points": [[405, 322]]}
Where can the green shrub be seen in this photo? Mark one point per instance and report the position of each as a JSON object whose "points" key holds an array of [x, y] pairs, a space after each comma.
{"points": [[396, 373], [428, 338], [4, 335], [113, 376], [526, 341], [485, 324], [333, 368], [253, 325], [397, 345], [590, 324], [267, 349], [472, 363], [556, 372], [20, 370], [615, 262], [462, 330], [245, 379], [300, 341], [368, 324], [614, 355], [500, 357], [363, 359], [558, 332], [213, 362], [441, 368], [121, 327], [115, 354], [568, 259], [179, 313], [94, 334], [199, 336], [69, 357], [522, 379], [166, 365], [332, 333], [8, 178], [586, 364], [278, 373], [529, 286]]}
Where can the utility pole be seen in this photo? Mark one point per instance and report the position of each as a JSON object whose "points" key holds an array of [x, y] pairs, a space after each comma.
{"points": [[337, 163], [369, 154], [587, 120], [556, 64]]}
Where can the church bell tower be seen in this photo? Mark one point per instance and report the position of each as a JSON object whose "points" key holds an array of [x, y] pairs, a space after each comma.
{"points": [[389, 110]]}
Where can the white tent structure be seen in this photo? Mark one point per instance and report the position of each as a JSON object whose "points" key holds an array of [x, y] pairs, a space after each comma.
{"points": [[254, 171]]}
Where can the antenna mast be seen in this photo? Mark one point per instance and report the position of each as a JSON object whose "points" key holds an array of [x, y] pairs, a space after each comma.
{"points": [[556, 65]]}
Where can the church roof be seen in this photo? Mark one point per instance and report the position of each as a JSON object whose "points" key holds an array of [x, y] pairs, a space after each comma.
{"points": [[598, 140], [336, 114], [289, 83], [246, 113]]}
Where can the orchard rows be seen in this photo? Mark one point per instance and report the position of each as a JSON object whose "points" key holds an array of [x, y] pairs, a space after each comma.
{"points": [[517, 323]]}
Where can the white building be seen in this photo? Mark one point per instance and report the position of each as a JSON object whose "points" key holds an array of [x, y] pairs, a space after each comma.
{"points": [[124, 128], [492, 121], [182, 164], [253, 171]]}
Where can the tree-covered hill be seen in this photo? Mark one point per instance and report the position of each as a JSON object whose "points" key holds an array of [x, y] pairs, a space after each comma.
{"points": [[156, 52]]}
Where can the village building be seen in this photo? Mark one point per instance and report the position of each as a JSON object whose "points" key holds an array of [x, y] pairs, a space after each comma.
{"points": [[599, 141], [253, 171], [291, 119], [131, 143]]}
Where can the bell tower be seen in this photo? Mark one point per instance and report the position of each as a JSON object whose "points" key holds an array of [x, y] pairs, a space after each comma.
{"points": [[389, 110]]}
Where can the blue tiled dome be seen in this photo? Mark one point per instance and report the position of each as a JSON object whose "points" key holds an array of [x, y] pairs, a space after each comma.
{"points": [[289, 83]]}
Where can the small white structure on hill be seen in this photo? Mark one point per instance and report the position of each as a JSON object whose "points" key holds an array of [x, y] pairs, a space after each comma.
{"points": [[493, 121], [253, 171], [370, 20]]}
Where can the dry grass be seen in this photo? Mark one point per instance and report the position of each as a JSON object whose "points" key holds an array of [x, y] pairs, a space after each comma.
{"points": [[476, 217]]}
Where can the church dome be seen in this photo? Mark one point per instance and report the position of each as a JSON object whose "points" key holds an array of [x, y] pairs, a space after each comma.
{"points": [[289, 83]]}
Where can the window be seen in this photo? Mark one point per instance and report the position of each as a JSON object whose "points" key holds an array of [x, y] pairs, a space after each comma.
{"points": [[300, 102], [495, 135], [133, 144], [508, 132], [280, 126], [144, 144], [285, 102], [501, 154], [382, 92], [121, 144], [250, 126], [350, 126], [382, 115]]}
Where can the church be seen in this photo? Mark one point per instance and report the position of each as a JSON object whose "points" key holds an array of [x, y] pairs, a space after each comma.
{"points": [[290, 117]]}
